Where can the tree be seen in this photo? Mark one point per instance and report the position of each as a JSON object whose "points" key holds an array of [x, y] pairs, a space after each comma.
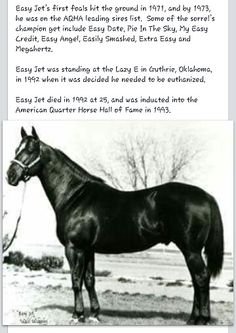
{"points": [[142, 160]]}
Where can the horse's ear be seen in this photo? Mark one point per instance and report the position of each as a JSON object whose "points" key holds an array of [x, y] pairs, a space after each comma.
{"points": [[34, 133], [23, 133]]}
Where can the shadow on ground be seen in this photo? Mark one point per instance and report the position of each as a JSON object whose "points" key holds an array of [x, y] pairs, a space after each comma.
{"points": [[133, 314]]}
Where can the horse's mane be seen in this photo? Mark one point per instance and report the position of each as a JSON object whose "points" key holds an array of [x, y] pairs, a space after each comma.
{"points": [[82, 173]]}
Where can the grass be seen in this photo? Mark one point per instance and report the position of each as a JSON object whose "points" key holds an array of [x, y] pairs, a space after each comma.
{"points": [[129, 307], [125, 280], [159, 278], [177, 283], [103, 273], [119, 308]]}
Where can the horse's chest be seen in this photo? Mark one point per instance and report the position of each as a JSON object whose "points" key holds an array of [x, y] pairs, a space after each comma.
{"points": [[61, 233]]}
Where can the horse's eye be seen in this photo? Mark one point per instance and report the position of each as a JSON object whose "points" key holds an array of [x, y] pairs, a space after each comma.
{"points": [[31, 148]]}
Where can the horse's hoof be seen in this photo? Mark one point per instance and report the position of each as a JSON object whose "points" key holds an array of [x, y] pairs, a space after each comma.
{"points": [[191, 321], [81, 319], [74, 321], [77, 319], [94, 320], [202, 321]]}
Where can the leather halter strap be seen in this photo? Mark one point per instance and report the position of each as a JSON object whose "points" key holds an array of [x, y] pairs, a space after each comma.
{"points": [[25, 167]]}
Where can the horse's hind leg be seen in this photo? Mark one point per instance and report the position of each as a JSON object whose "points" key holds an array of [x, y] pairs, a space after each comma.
{"points": [[201, 280], [195, 310], [76, 261], [89, 280]]}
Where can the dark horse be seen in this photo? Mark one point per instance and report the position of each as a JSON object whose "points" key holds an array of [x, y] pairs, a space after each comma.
{"points": [[94, 217]]}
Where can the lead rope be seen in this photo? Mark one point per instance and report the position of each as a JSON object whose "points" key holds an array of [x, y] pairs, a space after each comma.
{"points": [[17, 222]]}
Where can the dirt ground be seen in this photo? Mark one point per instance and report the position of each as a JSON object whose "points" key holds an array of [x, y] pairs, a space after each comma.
{"points": [[146, 294]]}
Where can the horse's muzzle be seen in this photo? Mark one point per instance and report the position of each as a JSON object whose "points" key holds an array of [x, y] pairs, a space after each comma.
{"points": [[12, 178]]}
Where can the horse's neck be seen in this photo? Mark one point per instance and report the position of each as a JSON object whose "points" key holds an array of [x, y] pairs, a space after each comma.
{"points": [[57, 178]]}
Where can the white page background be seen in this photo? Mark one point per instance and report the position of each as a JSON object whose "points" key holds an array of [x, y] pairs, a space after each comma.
{"points": [[205, 50]]}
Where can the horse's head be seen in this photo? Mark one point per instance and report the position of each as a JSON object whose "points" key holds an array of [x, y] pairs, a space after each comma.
{"points": [[26, 163]]}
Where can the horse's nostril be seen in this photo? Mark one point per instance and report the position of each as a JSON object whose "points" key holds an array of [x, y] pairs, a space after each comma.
{"points": [[12, 177]]}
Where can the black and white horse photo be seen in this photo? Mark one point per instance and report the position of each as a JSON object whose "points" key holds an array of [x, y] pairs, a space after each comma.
{"points": [[94, 217]]}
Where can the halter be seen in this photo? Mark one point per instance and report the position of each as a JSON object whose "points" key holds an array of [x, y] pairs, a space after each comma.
{"points": [[26, 168]]}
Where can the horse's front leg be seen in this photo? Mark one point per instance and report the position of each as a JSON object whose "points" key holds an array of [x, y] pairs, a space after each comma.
{"points": [[89, 280], [76, 259]]}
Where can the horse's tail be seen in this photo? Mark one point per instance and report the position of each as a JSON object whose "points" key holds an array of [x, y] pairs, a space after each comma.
{"points": [[214, 247]]}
